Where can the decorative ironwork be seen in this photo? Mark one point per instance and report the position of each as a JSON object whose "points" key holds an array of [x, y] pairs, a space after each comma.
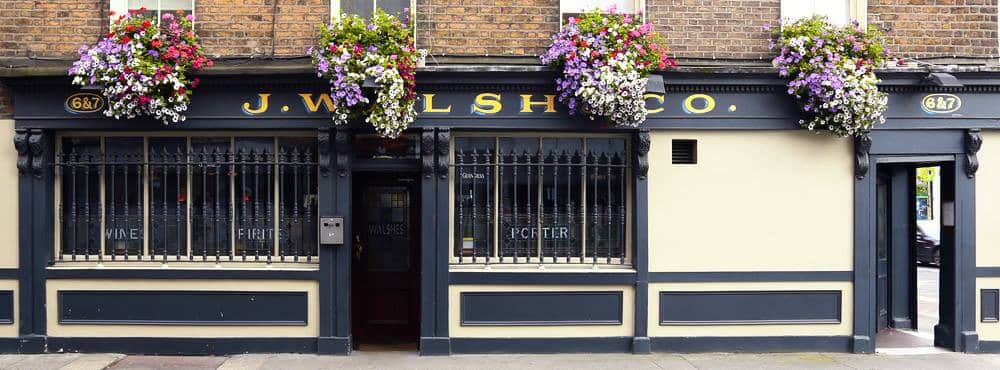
{"points": [[188, 199], [518, 201], [862, 146], [973, 142]]}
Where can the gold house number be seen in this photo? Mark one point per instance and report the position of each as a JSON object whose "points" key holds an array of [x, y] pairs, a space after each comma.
{"points": [[941, 103], [84, 103]]}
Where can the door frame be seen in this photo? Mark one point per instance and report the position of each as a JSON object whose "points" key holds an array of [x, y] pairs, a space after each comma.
{"points": [[898, 146]]}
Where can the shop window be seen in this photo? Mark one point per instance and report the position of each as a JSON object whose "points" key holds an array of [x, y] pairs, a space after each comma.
{"points": [[573, 8], [558, 200], [154, 8], [214, 199], [365, 8], [840, 12]]}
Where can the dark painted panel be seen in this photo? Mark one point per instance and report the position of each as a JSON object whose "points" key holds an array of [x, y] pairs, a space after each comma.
{"points": [[547, 278], [183, 346], [540, 345], [541, 308], [182, 307], [989, 308], [7, 307], [749, 276], [752, 344], [750, 307], [917, 142]]}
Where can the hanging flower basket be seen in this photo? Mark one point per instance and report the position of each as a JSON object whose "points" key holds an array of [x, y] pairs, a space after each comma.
{"points": [[832, 74], [142, 66], [380, 50], [604, 60]]}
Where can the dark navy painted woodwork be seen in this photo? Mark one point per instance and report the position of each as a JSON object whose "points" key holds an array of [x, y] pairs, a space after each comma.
{"points": [[989, 309], [183, 307], [541, 308], [6, 307], [750, 307]]}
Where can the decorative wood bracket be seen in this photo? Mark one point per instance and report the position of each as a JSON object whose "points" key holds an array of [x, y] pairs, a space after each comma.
{"points": [[973, 142], [443, 157], [427, 152], [343, 139], [37, 142], [23, 155], [323, 141], [641, 153], [862, 146]]}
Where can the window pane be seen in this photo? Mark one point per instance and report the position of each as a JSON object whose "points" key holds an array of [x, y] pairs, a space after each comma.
{"points": [[394, 7], [210, 197], [362, 8], [606, 198], [837, 11], [80, 196], [795, 9], [561, 198], [373, 147], [519, 197], [474, 194], [168, 196], [175, 5], [254, 184], [123, 189], [297, 203], [581, 6]]}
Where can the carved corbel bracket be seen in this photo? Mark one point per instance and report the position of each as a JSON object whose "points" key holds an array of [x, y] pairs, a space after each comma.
{"points": [[862, 146], [973, 142], [37, 143], [343, 139], [427, 152], [23, 153], [443, 157], [323, 141], [641, 152]]}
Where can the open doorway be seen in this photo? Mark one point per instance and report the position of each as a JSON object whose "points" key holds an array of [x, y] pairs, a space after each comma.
{"points": [[915, 223]]}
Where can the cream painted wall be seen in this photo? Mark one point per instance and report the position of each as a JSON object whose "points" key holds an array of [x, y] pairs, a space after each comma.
{"points": [[200, 331], [8, 195], [988, 201], [456, 330], [843, 328], [10, 330], [986, 330], [756, 201]]}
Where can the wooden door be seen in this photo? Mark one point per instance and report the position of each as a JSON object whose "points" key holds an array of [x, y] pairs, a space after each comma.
{"points": [[386, 269]]}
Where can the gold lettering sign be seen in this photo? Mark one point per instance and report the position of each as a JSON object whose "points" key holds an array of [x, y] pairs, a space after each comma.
{"points": [[941, 103], [84, 103]]}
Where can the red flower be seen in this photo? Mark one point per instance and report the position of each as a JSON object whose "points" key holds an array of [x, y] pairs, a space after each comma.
{"points": [[195, 82], [126, 40], [583, 43], [130, 28], [181, 91], [156, 43], [594, 54], [146, 24]]}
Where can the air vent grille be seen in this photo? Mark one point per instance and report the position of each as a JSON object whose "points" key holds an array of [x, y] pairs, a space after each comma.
{"points": [[685, 151]]}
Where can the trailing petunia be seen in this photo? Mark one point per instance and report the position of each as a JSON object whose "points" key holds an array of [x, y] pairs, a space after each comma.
{"points": [[382, 50], [832, 73], [604, 60], [143, 65]]}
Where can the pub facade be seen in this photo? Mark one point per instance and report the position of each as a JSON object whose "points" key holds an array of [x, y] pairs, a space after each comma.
{"points": [[497, 223]]}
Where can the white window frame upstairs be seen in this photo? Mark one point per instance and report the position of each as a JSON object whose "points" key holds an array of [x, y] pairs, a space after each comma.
{"points": [[572, 7], [857, 10], [120, 7], [335, 8]]}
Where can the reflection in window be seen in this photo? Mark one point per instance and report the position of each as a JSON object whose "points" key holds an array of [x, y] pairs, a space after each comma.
{"points": [[556, 200], [80, 196], [168, 196], [123, 189], [211, 197]]}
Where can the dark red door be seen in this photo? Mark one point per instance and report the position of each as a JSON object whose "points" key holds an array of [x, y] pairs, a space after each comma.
{"points": [[386, 269]]}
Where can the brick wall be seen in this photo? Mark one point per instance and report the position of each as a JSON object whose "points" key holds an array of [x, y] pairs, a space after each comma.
{"points": [[243, 27], [724, 29], [486, 27], [50, 28], [937, 28]]}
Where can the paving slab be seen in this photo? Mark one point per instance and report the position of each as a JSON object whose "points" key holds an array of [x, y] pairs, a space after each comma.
{"points": [[169, 362], [245, 362], [93, 361], [919, 362], [44, 362], [763, 361]]}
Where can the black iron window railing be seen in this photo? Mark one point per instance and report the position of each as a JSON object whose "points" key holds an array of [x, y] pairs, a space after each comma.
{"points": [[210, 199], [559, 200]]}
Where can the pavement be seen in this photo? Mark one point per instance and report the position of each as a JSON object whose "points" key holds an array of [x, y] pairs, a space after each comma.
{"points": [[410, 360]]}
